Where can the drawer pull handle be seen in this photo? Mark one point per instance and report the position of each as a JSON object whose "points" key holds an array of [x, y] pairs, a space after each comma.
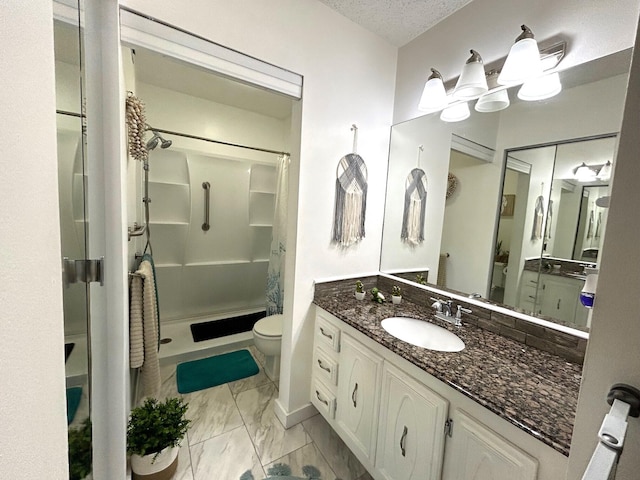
{"points": [[403, 441], [558, 307], [354, 396], [320, 398], [326, 369], [531, 296], [328, 335]]}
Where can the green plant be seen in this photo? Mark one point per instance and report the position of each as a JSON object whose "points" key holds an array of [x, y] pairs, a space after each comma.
{"points": [[395, 291], [377, 296], [80, 451], [154, 426], [359, 287], [420, 279]]}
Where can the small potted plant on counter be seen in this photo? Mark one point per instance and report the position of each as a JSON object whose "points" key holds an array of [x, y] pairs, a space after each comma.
{"points": [[396, 295], [154, 433], [360, 293], [420, 279], [377, 295]]}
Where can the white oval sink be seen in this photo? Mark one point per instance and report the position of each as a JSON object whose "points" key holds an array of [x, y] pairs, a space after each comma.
{"points": [[422, 334]]}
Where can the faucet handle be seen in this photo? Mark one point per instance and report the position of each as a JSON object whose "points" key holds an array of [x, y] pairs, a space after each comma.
{"points": [[460, 310]]}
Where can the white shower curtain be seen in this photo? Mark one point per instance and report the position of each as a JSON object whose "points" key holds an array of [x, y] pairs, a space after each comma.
{"points": [[275, 274]]}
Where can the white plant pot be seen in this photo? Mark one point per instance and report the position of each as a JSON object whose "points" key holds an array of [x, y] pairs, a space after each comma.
{"points": [[396, 299], [360, 295], [145, 466]]}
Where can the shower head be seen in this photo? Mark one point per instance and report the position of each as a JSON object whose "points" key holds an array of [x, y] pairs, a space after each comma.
{"points": [[153, 141]]}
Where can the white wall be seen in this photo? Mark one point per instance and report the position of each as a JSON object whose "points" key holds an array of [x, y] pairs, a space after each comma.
{"points": [[349, 77], [613, 353], [32, 397], [592, 30]]}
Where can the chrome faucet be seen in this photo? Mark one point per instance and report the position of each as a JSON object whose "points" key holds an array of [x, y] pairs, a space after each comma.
{"points": [[458, 322], [446, 308]]}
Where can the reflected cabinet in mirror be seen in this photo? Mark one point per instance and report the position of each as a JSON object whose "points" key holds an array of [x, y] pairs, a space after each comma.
{"points": [[510, 217]]}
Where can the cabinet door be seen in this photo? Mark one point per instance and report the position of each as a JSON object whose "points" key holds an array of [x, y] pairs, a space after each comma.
{"points": [[411, 431], [560, 298], [475, 452], [357, 401]]}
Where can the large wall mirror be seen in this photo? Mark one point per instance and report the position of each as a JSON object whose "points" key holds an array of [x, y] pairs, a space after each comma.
{"points": [[508, 217]]}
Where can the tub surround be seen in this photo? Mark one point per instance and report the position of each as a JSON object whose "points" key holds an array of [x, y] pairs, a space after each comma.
{"points": [[535, 390]]}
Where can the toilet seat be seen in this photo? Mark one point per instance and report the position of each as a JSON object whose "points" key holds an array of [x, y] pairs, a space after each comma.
{"points": [[270, 326]]}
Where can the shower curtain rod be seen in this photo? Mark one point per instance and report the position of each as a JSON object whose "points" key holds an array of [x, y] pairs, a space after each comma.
{"points": [[195, 137], [186, 135]]}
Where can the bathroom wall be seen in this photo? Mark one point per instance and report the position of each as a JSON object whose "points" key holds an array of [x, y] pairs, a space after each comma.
{"points": [[349, 77], [32, 397]]}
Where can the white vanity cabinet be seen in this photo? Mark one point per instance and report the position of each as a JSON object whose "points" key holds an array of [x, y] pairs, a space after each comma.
{"points": [[410, 433], [476, 452], [358, 394], [393, 416]]}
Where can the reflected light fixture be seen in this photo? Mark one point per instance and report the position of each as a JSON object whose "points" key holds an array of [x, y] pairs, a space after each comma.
{"points": [[605, 172], [540, 88], [472, 81], [523, 61], [584, 173], [455, 113], [495, 100], [434, 96]]}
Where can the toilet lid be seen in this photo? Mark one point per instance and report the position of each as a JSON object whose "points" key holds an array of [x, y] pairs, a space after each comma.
{"points": [[270, 326]]}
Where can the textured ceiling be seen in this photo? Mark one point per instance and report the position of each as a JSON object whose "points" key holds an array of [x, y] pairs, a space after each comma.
{"points": [[399, 21]]}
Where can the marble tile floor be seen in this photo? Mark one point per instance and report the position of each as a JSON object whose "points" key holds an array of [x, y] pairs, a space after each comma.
{"points": [[234, 429]]}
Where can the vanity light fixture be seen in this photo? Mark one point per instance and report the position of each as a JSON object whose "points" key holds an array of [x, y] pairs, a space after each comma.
{"points": [[540, 88], [523, 61], [434, 96], [455, 113], [605, 172], [584, 173], [472, 81], [495, 100]]}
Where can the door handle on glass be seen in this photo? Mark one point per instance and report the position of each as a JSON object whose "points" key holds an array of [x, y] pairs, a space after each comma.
{"points": [[326, 369], [403, 441], [207, 200], [354, 395]]}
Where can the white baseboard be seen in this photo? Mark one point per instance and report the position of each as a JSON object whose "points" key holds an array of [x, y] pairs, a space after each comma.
{"points": [[289, 419]]}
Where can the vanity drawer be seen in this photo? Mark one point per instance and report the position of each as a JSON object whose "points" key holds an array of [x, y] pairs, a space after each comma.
{"points": [[323, 399], [327, 334], [325, 367]]}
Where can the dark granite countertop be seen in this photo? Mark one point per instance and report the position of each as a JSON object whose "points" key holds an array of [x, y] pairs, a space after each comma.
{"points": [[534, 390]]}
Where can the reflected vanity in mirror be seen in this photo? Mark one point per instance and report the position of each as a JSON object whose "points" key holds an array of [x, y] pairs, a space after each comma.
{"points": [[506, 204]]}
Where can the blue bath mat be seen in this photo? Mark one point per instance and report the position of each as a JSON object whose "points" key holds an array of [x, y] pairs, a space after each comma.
{"points": [[213, 371], [74, 394]]}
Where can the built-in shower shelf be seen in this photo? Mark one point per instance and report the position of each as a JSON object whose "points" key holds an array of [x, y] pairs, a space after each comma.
{"points": [[265, 192], [269, 225], [169, 223], [260, 260], [222, 262], [164, 182], [167, 265]]}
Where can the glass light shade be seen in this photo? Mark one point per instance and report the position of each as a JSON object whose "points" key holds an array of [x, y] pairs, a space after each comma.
{"points": [[584, 173], [523, 63], [434, 96], [472, 82], [493, 102], [540, 88], [605, 172], [455, 113]]}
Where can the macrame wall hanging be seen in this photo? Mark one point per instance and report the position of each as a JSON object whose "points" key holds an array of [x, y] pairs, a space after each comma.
{"points": [[136, 126], [351, 197], [415, 205]]}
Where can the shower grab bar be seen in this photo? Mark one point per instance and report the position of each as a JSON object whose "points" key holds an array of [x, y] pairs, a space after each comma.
{"points": [[207, 200]]}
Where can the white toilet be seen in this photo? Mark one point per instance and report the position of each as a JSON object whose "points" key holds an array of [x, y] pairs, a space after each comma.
{"points": [[267, 336]]}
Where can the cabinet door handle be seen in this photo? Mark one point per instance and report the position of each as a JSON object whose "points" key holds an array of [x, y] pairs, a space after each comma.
{"points": [[558, 307], [531, 296], [328, 335], [326, 369], [207, 202], [403, 441], [354, 395], [320, 398]]}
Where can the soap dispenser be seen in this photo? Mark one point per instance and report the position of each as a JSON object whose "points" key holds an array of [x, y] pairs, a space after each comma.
{"points": [[588, 293]]}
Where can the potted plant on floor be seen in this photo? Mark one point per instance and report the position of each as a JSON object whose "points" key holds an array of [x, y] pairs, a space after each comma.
{"points": [[80, 451], [396, 295], [360, 293], [154, 433]]}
